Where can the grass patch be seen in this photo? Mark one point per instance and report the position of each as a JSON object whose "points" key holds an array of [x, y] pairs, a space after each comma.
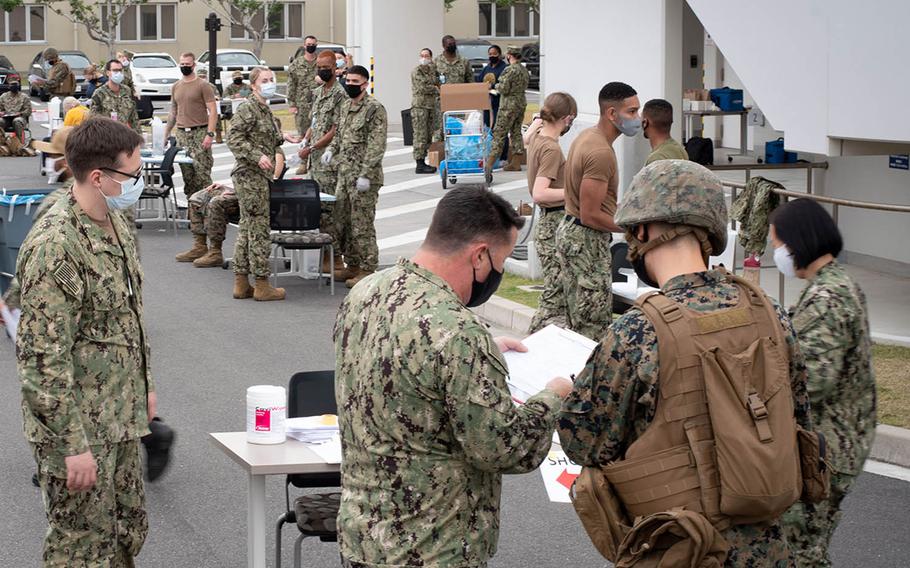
{"points": [[892, 375], [281, 77], [509, 289], [530, 111], [286, 118]]}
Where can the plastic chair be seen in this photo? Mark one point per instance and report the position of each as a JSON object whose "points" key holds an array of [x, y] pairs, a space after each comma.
{"points": [[165, 189], [310, 393], [294, 211]]}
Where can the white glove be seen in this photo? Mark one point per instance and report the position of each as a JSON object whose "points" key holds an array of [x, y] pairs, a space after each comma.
{"points": [[326, 158], [494, 92], [363, 184]]}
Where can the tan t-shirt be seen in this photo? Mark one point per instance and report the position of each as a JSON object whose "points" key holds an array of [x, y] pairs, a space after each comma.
{"points": [[591, 156], [545, 160], [188, 99]]}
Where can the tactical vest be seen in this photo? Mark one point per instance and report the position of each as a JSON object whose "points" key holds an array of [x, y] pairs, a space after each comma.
{"points": [[723, 439]]}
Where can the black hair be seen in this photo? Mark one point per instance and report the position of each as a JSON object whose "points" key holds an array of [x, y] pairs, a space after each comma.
{"points": [[107, 66], [469, 213], [98, 143], [310, 37], [659, 114], [359, 70], [446, 38], [807, 230], [497, 48], [428, 49], [613, 93]]}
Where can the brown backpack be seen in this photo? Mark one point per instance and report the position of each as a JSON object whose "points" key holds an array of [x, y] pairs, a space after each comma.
{"points": [[723, 441]]}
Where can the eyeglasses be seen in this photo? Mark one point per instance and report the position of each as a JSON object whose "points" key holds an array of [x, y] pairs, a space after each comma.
{"points": [[134, 176]]}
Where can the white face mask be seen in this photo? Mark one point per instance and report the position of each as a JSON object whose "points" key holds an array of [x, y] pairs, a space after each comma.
{"points": [[267, 90], [785, 262], [424, 61]]}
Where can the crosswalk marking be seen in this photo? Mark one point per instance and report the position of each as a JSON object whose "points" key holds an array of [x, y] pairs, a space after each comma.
{"points": [[431, 203], [402, 239]]}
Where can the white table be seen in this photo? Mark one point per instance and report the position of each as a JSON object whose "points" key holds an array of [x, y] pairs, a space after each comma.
{"points": [[157, 159], [260, 460], [743, 124]]}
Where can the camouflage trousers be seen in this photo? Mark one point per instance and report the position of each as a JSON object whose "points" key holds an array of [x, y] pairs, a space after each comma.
{"points": [[105, 526], [758, 546], [209, 211], [355, 215], [327, 178], [425, 122], [20, 125], [552, 306], [585, 264], [508, 124], [302, 118], [253, 246], [198, 175], [345, 563], [809, 527]]}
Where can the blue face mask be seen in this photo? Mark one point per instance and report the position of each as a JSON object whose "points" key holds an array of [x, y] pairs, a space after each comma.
{"points": [[130, 190], [268, 90], [117, 77]]}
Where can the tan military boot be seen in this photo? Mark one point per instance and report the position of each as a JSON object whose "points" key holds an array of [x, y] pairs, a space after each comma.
{"points": [[211, 259], [514, 164], [264, 292], [345, 273], [199, 249], [327, 266], [358, 276], [242, 288]]}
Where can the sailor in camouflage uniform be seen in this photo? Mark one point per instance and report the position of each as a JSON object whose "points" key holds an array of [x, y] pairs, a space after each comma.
{"points": [[424, 108], [832, 323], [15, 102], [254, 139], [452, 68], [83, 356], [358, 149], [511, 87], [112, 99], [301, 82], [427, 422], [615, 396]]}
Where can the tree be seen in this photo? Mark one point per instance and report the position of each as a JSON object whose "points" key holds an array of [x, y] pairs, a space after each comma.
{"points": [[100, 26], [253, 16]]}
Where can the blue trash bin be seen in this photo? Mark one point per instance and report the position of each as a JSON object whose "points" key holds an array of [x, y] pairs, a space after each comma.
{"points": [[17, 213]]}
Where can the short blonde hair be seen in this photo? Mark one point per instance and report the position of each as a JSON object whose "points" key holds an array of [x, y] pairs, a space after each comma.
{"points": [[70, 102], [255, 72]]}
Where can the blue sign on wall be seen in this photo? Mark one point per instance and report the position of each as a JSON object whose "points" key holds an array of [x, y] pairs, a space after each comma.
{"points": [[899, 161]]}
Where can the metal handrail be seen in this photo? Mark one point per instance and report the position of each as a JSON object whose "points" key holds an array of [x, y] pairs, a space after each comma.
{"points": [[835, 203], [808, 166]]}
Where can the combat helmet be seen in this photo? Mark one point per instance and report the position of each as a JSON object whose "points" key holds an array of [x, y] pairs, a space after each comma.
{"points": [[676, 192]]}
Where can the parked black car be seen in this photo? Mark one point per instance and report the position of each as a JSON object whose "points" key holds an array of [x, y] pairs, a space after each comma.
{"points": [[7, 73], [530, 54], [77, 61]]}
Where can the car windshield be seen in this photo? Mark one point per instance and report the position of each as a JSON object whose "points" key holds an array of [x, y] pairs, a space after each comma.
{"points": [[75, 61], [473, 50], [153, 62], [4, 63], [236, 59]]}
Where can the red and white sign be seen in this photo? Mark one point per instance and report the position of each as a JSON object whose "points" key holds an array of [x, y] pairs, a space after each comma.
{"points": [[558, 472]]}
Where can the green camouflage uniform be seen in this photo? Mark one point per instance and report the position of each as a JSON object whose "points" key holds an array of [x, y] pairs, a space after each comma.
{"points": [[105, 101], [301, 83], [19, 103], [128, 79], [57, 76], [752, 209], [832, 324], [424, 107], [327, 109], [512, 84], [253, 135], [209, 211], [585, 264], [243, 90], [84, 367], [670, 149], [427, 424], [358, 149], [551, 308], [457, 71]]}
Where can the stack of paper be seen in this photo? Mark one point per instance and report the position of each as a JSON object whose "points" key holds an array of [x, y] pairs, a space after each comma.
{"points": [[552, 352], [312, 429]]}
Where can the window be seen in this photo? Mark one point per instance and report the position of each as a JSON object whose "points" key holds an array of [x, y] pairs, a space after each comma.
{"points": [[146, 22], [285, 22], [518, 20], [23, 24]]}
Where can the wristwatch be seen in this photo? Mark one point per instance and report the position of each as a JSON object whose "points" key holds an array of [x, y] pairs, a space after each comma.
{"points": [[210, 134]]}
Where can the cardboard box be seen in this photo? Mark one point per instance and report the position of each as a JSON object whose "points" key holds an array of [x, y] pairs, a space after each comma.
{"points": [[435, 153], [464, 96]]}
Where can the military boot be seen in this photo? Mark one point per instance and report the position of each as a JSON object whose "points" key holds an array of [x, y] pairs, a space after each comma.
{"points": [[212, 258], [424, 168], [242, 288], [345, 272], [514, 164], [327, 266], [264, 292], [199, 249], [359, 275]]}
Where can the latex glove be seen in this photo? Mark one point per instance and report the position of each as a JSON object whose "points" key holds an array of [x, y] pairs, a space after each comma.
{"points": [[494, 92], [326, 157], [363, 184]]}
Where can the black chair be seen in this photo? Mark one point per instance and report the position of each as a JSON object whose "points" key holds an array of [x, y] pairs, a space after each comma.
{"points": [[144, 108], [294, 211], [165, 187], [310, 394]]}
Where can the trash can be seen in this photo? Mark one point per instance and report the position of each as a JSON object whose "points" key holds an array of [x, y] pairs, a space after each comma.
{"points": [[407, 127], [17, 213]]}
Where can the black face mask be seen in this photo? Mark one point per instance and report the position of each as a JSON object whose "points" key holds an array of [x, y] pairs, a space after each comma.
{"points": [[186, 70], [325, 74], [482, 291], [451, 48], [353, 90], [238, 81], [494, 60], [14, 89]]}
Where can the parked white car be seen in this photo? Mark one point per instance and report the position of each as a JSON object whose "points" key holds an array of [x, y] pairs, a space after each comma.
{"points": [[154, 74], [231, 60]]}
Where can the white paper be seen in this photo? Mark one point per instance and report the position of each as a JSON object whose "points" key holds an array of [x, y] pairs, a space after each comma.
{"points": [[330, 451], [552, 352], [10, 320], [558, 473]]}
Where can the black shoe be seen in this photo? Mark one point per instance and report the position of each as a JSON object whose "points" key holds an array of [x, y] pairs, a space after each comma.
{"points": [[157, 449], [424, 168], [35, 480]]}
